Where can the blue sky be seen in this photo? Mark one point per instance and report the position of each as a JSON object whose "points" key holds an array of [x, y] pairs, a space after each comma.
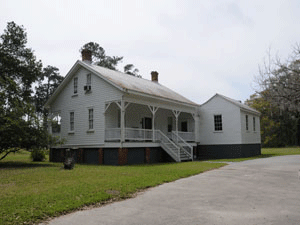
{"points": [[198, 47]]}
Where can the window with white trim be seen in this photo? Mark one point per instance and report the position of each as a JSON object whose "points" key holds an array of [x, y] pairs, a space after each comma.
{"points": [[75, 85], [254, 128], [91, 119], [247, 125], [89, 79], [218, 122], [72, 118], [56, 123]]}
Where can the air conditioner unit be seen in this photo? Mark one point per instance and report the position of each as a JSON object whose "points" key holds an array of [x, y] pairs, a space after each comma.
{"points": [[87, 87]]}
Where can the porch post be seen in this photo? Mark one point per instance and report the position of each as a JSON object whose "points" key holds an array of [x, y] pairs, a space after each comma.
{"points": [[122, 105], [197, 128], [153, 110], [176, 114], [122, 121]]}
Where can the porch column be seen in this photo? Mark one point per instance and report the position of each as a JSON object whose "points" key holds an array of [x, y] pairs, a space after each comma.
{"points": [[153, 110], [122, 108], [122, 105], [176, 114], [197, 128]]}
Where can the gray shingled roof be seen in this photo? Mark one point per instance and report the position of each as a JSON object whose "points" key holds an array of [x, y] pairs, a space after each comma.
{"points": [[135, 84]]}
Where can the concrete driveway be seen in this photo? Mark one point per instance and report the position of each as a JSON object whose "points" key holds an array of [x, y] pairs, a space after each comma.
{"points": [[262, 191]]}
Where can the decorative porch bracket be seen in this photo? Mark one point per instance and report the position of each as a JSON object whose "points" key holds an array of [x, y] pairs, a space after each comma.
{"points": [[123, 106], [153, 110], [176, 114]]}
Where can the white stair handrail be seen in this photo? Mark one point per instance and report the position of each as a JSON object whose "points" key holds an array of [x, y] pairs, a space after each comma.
{"points": [[184, 143], [166, 139]]}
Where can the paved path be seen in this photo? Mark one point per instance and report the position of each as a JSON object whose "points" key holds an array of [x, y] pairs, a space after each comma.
{"points": [[262, 191]]}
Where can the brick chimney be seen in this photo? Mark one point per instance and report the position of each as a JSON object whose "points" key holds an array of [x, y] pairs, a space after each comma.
{"points": [[86, 56], [154, 76]]}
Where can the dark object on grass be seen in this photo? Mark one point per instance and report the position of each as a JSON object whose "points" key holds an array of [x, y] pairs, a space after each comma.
{"points": [[69, 161]]}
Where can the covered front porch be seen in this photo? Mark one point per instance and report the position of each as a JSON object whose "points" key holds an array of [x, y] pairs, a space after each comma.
{"points": [[126, 121], [131, 122]]}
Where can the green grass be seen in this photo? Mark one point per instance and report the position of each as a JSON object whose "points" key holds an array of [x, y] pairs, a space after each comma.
{"points": [[265, 153], [32, 192]]}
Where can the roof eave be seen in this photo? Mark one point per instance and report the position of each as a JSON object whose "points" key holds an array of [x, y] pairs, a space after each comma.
{"points": [[161, 98]]}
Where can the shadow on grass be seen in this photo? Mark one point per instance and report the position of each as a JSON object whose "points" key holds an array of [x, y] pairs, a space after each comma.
{"points": [[266, 155], [22, 165], [238, 159]]}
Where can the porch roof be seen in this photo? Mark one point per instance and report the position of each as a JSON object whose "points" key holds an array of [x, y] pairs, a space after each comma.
{"points": [[137, 85]]}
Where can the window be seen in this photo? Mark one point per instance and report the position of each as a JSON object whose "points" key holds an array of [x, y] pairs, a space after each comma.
{"points": [[170, 123], [88, 79], [247, 127], [91, 119], [254, 123], [71, 121], [75, 85], [218, 122], [56, 123]]}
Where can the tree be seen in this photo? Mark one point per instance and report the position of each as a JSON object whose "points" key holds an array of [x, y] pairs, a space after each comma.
{"points": [[280, 83], [129, 69], [111, 62], [19, 69], [277, 126], [47, 83]]}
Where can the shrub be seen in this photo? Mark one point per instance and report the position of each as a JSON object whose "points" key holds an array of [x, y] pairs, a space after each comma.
{"points": [[38, 155]]}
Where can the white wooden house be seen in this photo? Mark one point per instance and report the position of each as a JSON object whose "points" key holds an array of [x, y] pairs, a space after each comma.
{"points": [[108, 117]]}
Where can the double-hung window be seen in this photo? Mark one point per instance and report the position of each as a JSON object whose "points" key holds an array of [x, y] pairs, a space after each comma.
{"points": [[75, 85], [91, 119], [72, 121], [218, 122], [89, 79]]}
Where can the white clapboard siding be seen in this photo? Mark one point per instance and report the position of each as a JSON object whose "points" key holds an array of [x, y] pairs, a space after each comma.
{"points": [[67, 102], [250, 136], [231, 133], [111, 116]]}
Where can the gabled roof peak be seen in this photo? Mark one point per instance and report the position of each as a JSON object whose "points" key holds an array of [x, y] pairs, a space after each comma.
{"points": [[235, 102]]}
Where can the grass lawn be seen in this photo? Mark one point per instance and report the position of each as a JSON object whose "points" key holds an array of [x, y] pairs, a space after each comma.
{"points": [[32, 192], [265, 152]]}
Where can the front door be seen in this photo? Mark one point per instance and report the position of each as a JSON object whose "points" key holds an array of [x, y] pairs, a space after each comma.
{"points": [[147, 123], [184, 126]]}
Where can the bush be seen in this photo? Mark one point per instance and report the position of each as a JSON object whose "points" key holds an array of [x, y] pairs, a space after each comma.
{"points": [[38, 155]]}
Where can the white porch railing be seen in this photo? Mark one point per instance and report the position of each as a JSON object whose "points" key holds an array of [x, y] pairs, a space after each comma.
{"points": [[176, 147], [187, 136], [132, 134], [136, 134], [113, 134]]}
